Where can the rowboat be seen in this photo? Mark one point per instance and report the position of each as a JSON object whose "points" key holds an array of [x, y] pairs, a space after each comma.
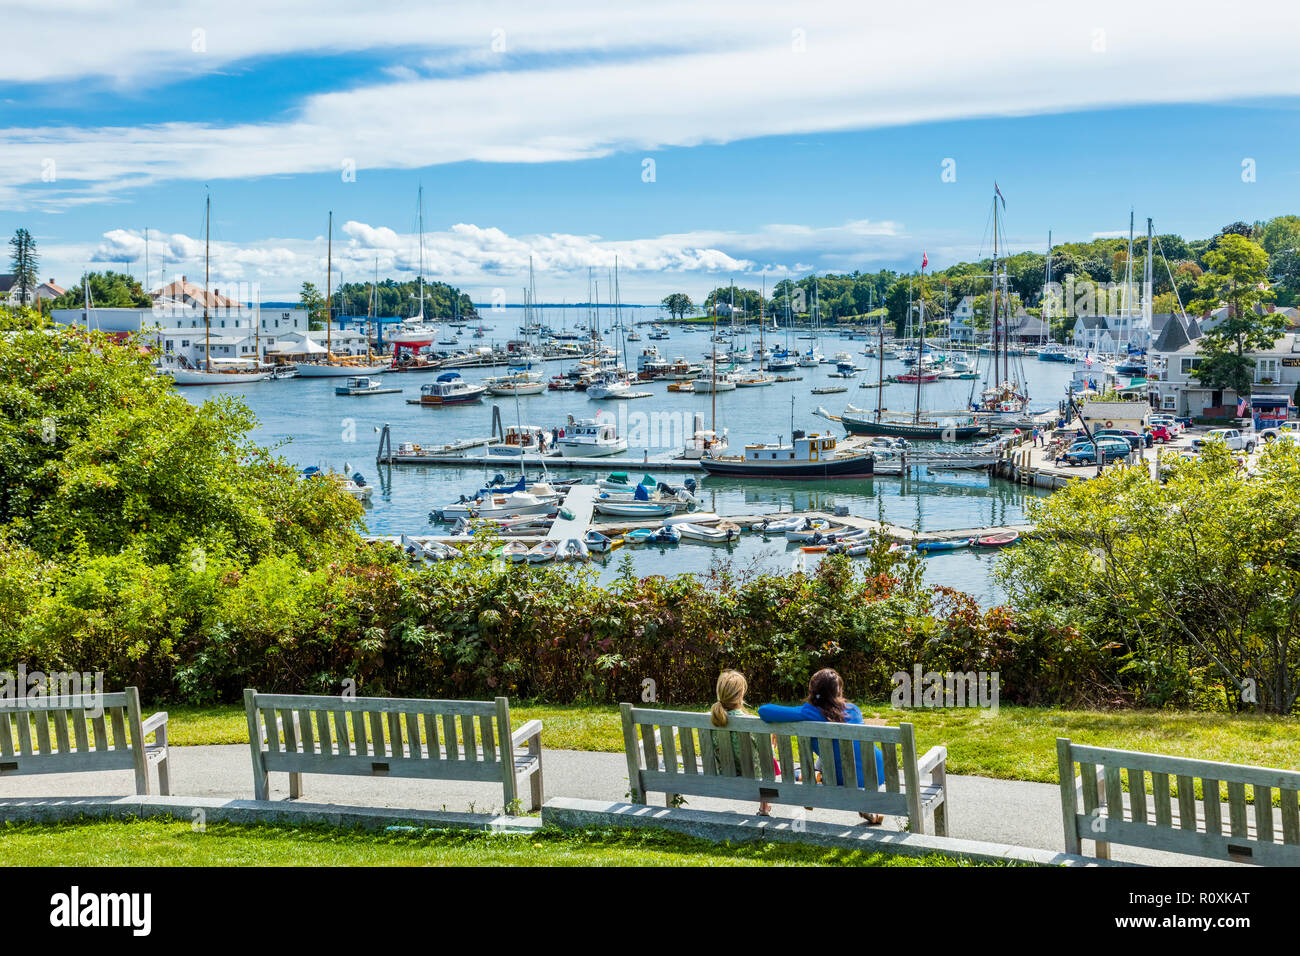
{"points": [[698, 532], [776, 525], [668, 534], [638, 536], [544, 551], [515, 551], [999, 540], [597, 542], [928, 547], [634, 509]]}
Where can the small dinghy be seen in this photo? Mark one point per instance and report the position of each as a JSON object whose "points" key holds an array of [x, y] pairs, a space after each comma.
{"points": [[1000, 540], [639, 536], [440, 552], [814, 532], [699, 532], [596, 542], [634, 509], [575, 550], [934, 547], [515, 551], [853, 549], [544, 551], [668, 534], [776, 525]]}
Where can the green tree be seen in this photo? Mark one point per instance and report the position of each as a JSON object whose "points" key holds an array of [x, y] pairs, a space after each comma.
{"points": [[678, 304], [311, 299], [1195, 582], [1237, 277], [24, 263], [108, 290]]}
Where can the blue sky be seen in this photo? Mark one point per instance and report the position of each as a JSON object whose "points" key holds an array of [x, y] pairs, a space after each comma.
{"points": [[784, 138]]}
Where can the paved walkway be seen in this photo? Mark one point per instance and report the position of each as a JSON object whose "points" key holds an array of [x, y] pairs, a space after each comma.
{"points": [[997, 811]]}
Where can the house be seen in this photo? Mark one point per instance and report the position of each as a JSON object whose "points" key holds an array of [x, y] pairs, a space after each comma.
{"points": [[961, 326], [9, 293], [1277, 375], [1025, 328]]}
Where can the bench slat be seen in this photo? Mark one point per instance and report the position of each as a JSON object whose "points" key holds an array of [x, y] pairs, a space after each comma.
{"points": [[290, 720], [359, 736], [748, 757], [1237, 807], [42, 719], [1160, 790], [6, 735], [1114, 794], [396, 745], [323, 732], [709, 759], [848, 757], [467, 736], [726, 754], [449, 743], [890, 755], [413, 734], [1264, 814], [377, 747], [1290, 817], [756, 725], [384, 766], [117, 718], [431, 736], [306, 732], [1137, 794], [670, 749], [689, 763], [79, 730], [1186, 802], [1211, 792], [341, 734], [786, 753], [96, 725], [61, 731], [807, 760]]}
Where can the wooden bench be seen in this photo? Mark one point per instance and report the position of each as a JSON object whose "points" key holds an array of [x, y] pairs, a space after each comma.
{"points": [[41, 735], [1108, 803], [391, 737], [677, 752]]}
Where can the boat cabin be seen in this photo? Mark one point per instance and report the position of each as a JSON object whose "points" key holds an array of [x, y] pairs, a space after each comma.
{"points": [[815, 447]]}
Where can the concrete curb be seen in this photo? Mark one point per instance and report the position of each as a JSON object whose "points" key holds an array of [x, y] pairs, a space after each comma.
{"points": [[216, 809], [574, 814]]}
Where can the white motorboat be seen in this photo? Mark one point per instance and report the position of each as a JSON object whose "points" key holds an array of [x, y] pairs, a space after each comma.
{"points": [[609, 385], [451, 389], [363, 385], [539, 499], [714, 535], [591, 438]]}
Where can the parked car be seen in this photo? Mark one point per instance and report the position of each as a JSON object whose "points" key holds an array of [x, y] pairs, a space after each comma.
{"points": [[1174, 427], [1135, 439], [1287, 428], [1232, 437], [1083, 452], [1161, 433]]}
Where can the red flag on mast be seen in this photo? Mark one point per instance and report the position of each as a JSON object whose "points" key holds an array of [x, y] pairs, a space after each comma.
{"points": [[925, 261]]}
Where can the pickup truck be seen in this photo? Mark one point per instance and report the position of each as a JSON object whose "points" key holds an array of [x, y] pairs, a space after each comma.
{"points": [[1231, 437], [1272, 434]]}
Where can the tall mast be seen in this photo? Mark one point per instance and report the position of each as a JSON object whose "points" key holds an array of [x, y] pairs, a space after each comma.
{"points": [[997, 369], [920, 348], [713, 392], [419, 213], [761, 319], [370, 310], [329, 305], [207, 321], [1047, 291], [1148, 279], [880, 381]]}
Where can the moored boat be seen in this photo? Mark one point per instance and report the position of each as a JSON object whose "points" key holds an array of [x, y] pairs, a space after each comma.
{"points": [[807, 457]]}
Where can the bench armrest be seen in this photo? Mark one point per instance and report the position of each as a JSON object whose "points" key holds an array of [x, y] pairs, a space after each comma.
{"points": [[935, 757], [154, 722], [527, 732]]}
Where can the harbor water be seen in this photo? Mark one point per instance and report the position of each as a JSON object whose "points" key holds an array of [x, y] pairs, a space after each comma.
{"points": [[306, 423]]}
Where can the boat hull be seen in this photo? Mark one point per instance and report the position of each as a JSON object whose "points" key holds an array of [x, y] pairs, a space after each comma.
{"points": [[185, 376], [584, 450], [852, 466], [322, 370], [905, 430]]}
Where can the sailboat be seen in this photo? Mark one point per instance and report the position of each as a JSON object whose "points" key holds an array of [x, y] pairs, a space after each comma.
{"points": [[762, 378], [1004, 398], [332, 366], [206, 375], [858, 421]]}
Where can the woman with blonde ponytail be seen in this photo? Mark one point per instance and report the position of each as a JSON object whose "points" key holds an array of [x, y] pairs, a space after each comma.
{"points": [[731, 689]]}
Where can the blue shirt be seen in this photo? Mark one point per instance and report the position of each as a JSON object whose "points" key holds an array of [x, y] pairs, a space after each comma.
{"points": [[777, 714]]}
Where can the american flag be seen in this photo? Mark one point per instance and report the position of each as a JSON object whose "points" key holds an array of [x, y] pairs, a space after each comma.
{"points": [[1000, 196], [1242, 405]]}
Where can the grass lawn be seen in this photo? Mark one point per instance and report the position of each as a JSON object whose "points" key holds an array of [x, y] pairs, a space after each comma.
{"points": [[1018, 744], [175, 843]]}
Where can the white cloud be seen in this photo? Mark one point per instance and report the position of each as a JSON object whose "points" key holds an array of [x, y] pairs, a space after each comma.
{"points": [[583, 80]]}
